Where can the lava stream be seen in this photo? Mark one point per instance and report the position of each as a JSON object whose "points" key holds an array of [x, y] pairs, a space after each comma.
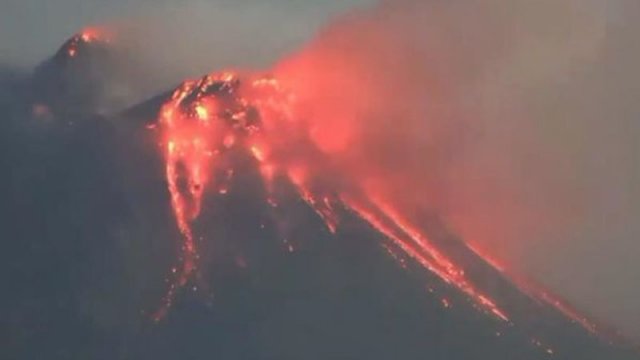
{"points": [[206, 118]]}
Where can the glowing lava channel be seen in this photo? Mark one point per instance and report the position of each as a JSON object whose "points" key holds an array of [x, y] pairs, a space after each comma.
{"points": [[206, 118]]}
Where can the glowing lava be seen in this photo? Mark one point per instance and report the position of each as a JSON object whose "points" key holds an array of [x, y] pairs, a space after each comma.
{"points": [[206, 118], [84, 38], [200, 123]]}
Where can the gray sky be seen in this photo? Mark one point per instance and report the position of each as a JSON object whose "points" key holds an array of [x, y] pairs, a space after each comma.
{"points": [[31, 30]]}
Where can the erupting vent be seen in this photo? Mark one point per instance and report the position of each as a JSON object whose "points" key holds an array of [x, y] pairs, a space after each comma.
{"points": [[87, 37], [204, 119]]}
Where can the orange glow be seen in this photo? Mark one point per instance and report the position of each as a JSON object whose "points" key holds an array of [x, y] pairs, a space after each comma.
{"points": [[258, 153], [206, 118], [415, 245], [486, 257], [196, 136], [92, 34], [194, 128], [446, 303], [86, 36]]}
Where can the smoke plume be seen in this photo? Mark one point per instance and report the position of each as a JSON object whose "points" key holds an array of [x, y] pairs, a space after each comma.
{"points": [[514, 121]]}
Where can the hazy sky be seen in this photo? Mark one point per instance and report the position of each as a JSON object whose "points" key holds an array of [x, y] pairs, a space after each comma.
{"points": [[31, 29]]}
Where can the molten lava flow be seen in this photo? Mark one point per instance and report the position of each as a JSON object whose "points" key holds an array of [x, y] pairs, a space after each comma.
{"points": [[208, 118], [190, 125], [385, 219]]}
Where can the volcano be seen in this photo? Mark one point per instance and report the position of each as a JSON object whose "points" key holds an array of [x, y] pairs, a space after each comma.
{"points": [[207, 222]]}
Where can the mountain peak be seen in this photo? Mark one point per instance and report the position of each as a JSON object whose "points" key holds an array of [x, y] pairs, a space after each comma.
{"points": [[84, 42]]}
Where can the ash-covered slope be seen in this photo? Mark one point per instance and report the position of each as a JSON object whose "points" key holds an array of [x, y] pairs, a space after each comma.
{"points": [[90, 235]]}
